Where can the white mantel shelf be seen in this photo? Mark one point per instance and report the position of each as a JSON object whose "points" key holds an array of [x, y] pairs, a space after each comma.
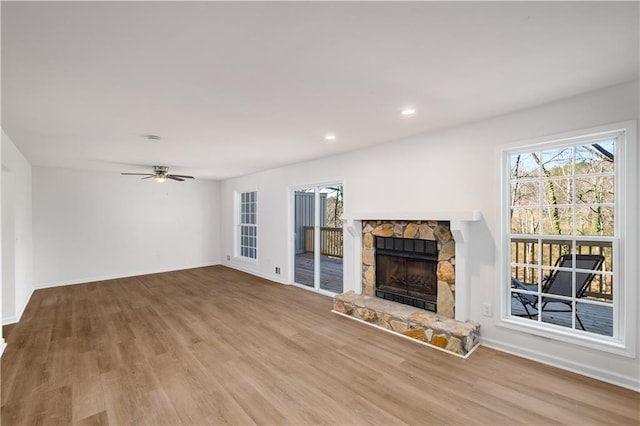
{"points": [[462, 216]]}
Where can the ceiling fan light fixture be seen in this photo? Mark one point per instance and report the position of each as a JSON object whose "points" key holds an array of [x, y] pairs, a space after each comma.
{"points": [[161, 174]]}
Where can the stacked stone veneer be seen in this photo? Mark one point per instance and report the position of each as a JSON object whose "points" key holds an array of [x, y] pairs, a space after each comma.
{"points": [[454, 336], [438, 231]]}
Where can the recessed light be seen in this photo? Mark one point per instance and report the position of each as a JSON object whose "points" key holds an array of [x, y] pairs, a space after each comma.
{"points": [[408, 111], [330, 137], [154, 138]]}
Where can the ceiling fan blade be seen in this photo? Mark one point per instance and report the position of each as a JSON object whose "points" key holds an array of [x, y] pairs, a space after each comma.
{"points": [[183, 176], [148, 177], [175, 178], [136, 174]]}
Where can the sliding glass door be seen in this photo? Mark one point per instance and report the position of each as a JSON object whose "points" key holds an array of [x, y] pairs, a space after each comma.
{"points": [[318, 239]]}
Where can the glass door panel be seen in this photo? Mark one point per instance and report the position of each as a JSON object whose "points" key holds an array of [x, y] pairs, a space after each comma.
{"points": [[331, 238], [304, 241]]}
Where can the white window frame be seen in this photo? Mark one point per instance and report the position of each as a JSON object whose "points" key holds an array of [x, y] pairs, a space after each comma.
{"points": [[240, 224], [623, 342]]}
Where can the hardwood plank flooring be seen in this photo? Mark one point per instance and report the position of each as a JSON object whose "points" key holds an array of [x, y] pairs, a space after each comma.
{"points": [[216, 346]]}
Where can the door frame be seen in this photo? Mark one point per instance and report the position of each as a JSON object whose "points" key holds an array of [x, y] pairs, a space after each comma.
{"points": [[292, 246]]}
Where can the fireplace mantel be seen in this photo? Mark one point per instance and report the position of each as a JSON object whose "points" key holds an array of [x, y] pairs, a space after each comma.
{"points": [[462, 216], [457, 219], [459, 222]]}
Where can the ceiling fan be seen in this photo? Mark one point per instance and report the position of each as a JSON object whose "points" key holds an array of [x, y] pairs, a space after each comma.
{"points": [[160, 175]]}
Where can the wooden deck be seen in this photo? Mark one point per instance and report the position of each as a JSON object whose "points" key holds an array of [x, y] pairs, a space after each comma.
{"points": [[330, 275], [596, 319]]}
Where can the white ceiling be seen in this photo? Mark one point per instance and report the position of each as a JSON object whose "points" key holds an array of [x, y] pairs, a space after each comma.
{"points": [[236, 87]]}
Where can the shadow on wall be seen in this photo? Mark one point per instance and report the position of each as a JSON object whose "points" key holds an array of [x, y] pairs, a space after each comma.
{"points": [[482, 249]]}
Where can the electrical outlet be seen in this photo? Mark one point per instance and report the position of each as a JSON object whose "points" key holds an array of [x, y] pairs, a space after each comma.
{"points": [[228, 258], [277, 270], [487, 310]]}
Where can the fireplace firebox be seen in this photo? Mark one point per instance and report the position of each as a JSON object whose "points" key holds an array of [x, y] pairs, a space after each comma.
{"points": [[406, 271]]}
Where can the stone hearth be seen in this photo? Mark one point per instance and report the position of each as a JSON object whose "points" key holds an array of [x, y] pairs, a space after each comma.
{"points": [[457, 337]]}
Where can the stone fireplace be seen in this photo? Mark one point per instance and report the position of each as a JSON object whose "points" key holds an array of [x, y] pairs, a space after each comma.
{"points": [[425, 278], [415, 297]]}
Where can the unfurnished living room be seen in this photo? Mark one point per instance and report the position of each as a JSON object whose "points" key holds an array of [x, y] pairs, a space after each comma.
{"points": [[320, 213]]}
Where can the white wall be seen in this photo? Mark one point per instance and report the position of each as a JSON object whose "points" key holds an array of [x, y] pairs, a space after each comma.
{"points": [[8, 245], [90, 226], [17, 278], [450, 170], [2, 342]]}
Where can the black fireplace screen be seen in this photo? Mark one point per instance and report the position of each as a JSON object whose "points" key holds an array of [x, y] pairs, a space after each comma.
{"points": [[406, 271]]}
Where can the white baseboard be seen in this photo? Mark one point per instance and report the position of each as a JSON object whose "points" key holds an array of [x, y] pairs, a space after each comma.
{"points": [[275, 278], [24, 305], [10, 320], [16, 318], [574, 367], [93, 279]]}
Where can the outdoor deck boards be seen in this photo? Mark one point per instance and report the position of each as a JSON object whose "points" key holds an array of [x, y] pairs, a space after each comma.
{"points": [[330, 276], [596, 319]]}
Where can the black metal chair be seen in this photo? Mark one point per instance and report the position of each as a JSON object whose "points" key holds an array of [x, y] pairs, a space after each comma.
{"points": [[559, 283]]}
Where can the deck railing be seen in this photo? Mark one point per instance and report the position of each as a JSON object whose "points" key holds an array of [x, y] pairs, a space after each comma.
{"points": [[330, 241], [526, 251]]}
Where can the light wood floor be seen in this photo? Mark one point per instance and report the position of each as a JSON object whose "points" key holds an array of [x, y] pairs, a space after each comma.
{"points": [[216, 346]]}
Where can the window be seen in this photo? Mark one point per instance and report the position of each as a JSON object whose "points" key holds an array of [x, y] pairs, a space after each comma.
{"points": [[564, 227], [248, 225]]}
